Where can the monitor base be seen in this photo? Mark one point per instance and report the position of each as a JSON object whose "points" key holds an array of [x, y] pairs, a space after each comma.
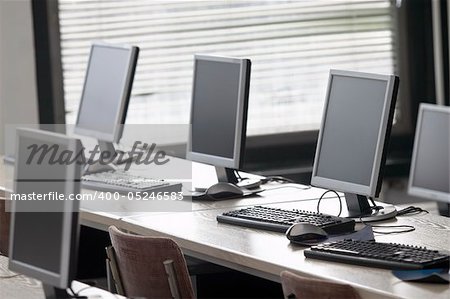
{"points": [[386, 211], [52, 292], [228, 175], [249, 183], [97, 167], [444, 209], [359, 208]]}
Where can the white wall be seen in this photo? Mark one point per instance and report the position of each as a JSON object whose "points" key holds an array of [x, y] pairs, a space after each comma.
{"points": [[18, 94]]}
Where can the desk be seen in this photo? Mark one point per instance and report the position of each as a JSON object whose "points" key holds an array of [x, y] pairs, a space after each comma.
{"points": [[266, 254]]}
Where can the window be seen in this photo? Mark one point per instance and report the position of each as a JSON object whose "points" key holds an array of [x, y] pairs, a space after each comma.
{"points": [[292, 45]]}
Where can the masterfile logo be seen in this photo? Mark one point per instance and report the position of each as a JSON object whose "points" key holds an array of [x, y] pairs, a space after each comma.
{"points": [[144, 154]]}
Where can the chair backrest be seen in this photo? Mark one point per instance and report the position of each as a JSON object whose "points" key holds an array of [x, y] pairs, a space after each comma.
{"points": [[297, 287], [5, 219], [140, 260]]}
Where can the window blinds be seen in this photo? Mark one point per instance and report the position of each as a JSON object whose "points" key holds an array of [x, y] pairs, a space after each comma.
{"points": [[292, 45]]}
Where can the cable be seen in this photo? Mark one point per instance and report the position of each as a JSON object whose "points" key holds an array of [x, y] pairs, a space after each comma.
{"points": [[411, 210], [10, 276], [340, 201], [289, 186], [238, 175], [74, 294], [276, 178], [407, 228], [374, 205]]}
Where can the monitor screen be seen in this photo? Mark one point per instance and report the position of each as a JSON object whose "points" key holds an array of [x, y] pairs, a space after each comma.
{"points": [[38, 239], [106, 91], [431, 158], [42, 230], [218, 122], [353, 130]]}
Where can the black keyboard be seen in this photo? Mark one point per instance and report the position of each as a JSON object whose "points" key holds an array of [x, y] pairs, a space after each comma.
{"points": [[280, 220], [380, 255]]}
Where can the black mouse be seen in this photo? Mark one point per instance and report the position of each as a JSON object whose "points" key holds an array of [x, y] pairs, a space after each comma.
{"points": [[224, 191], [305, 232]]}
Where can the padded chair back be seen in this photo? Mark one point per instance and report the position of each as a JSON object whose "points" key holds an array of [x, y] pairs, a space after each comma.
{"points": [[297, 287], [140, 260], [5, 219]]}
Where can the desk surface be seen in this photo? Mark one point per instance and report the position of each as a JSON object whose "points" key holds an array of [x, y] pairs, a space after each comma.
{"points": [[266, 254]]}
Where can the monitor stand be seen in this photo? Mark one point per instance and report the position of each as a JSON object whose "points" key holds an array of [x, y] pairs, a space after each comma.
{"points": [[359, 208], [444, 209], [119, 157], [52, 292], [228, 175], [116, 158]]}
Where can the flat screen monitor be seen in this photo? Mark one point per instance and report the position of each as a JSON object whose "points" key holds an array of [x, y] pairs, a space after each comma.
{"points": [[219, 112], [106, 91], [429, 176], [44, 233], [353, 137]]}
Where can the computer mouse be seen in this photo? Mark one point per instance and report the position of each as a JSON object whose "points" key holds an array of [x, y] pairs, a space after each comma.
{"points": [[305, 232], [224, 191]]}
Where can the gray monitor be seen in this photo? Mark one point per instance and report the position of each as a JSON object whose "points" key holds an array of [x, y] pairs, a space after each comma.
{"points": [[429, 176], [44, 233], [106, 92], [219, 113], [352, 143]]}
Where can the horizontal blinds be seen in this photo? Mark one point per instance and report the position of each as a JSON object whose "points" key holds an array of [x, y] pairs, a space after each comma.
{"points": [[292, 45]]}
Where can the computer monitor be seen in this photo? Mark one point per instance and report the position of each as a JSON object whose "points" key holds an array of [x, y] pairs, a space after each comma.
{"points": [[429, 176], [44, 233], [106, 93], [352, 143], [219, 113]]}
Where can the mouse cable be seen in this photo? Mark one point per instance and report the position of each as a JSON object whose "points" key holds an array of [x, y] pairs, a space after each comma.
{"points": [[321, 197]]}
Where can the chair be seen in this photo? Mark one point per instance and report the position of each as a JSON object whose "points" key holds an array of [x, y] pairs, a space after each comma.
{"points": [[297, 287], [144, 265], [5, 218]]}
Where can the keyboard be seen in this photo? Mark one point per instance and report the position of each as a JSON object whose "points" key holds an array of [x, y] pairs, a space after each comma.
{"points": [[124, 182], [380, 255], [280, 220]]}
